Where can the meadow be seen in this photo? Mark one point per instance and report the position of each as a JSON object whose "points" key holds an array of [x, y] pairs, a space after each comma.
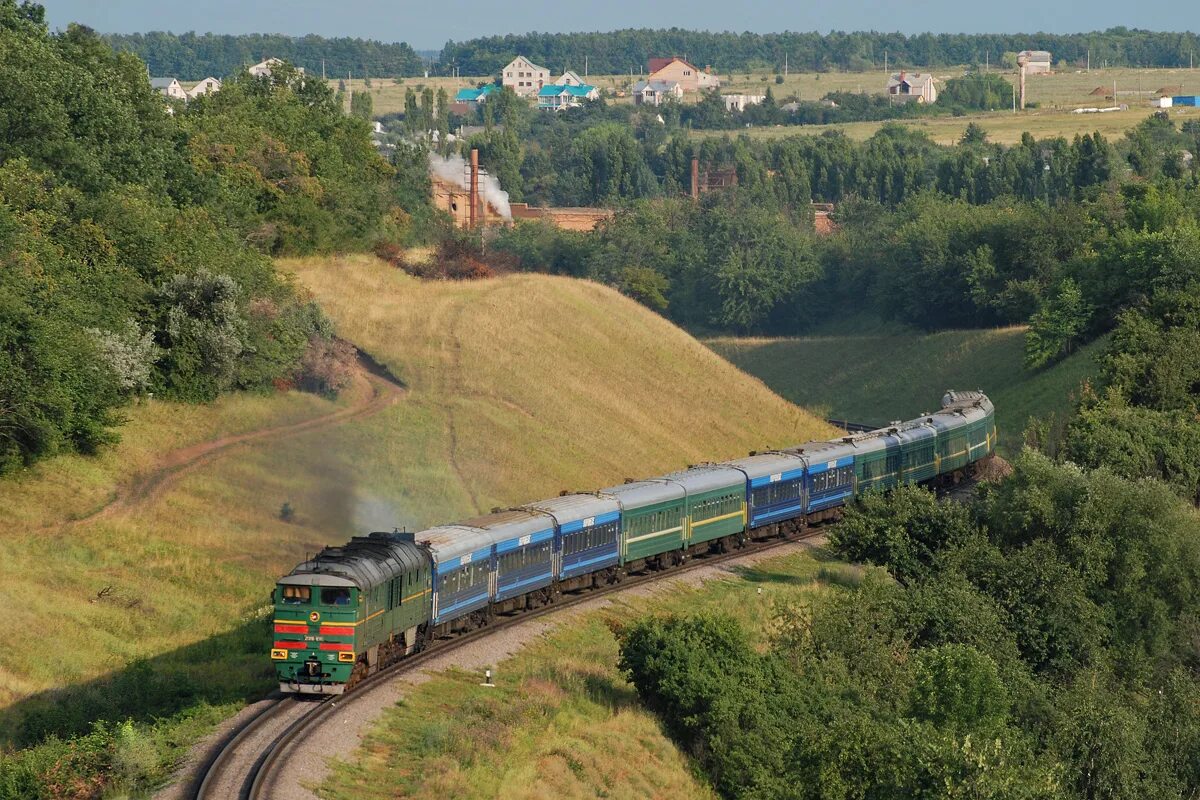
{"points": [[516, 388], [879, 377], [562, 720], [1054, 95]]}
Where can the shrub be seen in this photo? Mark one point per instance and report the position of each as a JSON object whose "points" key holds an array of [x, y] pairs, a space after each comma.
{"points": [[327, 366]]}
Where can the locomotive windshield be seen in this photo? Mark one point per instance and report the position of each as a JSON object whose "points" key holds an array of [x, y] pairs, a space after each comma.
{"points": [[295, 595], [337, 596]]}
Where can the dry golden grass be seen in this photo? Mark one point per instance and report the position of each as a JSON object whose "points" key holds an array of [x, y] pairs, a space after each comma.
{"points": [[548, 383]]}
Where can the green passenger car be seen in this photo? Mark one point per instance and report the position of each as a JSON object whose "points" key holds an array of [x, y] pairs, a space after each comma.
{"points": [[653, 517], [349, 611], [876, 460], [715, 502]]}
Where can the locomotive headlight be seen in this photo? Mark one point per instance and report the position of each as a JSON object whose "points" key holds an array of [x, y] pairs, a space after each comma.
{"points": [[279, 655], [345, 656]]}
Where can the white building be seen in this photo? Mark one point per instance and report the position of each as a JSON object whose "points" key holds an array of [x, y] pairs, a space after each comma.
{"points": [[209, 85], [263, 69], [655, 93], [168, 87], [524, 77], [1037, 62], [571, 78], [912, 86], [738, 102]]}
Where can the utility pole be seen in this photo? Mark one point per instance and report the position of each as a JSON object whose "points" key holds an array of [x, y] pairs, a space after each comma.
{"points": [[322, 69], [785, 66], [1089, 63], [987, 61], [885, 69]]}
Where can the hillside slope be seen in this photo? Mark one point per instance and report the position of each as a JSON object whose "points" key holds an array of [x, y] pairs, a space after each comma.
{"points": [[516, 388], [877, 378], [531, 384]]}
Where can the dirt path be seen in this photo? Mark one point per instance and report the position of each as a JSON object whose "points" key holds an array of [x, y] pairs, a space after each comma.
{"points": [[146, 486]]}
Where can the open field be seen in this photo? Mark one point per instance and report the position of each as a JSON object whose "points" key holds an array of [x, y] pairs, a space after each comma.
{"points": [[1055, 95], [516, 388], [1002, 127], [562, 721], [879, 378]]}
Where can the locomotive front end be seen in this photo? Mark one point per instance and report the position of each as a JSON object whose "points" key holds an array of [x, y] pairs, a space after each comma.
{"points": [[316, 617]]}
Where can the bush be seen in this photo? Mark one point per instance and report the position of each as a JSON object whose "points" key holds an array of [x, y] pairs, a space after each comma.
{"points": [[327, 366]]}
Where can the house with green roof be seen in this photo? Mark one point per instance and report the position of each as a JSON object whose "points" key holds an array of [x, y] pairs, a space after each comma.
{"points": [[556, 97], [476, 95]]}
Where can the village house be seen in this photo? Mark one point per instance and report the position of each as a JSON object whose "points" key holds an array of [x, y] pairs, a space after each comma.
{"points": [[557, 97], [655, 93], [1037, 62], [738, 102], [263, 69], [524, 77], [571, 78], [914, 87], [476, 96], [209, 85], [689, 78], [169, 88]]}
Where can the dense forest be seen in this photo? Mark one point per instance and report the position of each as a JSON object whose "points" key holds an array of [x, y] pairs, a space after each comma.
{"points": [[620, 51], [1038, 641], [135, 243], [193, 56]]}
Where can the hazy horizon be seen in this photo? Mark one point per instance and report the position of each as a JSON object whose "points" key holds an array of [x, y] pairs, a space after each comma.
{"points": [[390, 21]]}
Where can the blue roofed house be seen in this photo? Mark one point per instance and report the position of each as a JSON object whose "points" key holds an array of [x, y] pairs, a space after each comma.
{"points": [[557, 96], [476, 95]]}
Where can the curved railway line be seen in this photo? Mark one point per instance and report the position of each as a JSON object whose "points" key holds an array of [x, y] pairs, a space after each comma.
{"points": [[248, 762]]}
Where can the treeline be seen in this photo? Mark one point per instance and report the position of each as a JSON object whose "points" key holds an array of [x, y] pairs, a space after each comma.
{"points": [[135, 243], [617, 52], [1039, 642], [192, 56], [1060, 234]]}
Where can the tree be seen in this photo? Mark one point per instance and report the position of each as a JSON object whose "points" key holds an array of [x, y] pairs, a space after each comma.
{"points": [[1056, 326], [361, 105]]}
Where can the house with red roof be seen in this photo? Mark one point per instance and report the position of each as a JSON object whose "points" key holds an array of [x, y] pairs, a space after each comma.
{"points": [[687, 75]]}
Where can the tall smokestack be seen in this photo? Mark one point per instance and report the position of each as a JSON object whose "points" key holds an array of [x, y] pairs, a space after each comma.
{"points": [[695, 178], [474, 187]]}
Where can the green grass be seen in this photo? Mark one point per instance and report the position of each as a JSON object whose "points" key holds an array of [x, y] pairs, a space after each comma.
{"points": [[881, 377], [562, 720], [518, 387]]}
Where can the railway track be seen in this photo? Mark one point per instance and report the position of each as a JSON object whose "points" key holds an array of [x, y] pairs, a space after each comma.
{"points": [[248, 762]]}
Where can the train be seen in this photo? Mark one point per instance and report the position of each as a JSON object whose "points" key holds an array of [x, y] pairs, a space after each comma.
{"points": [[352, 610]]}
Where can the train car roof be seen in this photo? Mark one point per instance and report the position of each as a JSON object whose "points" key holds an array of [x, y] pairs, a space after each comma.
{"points": [[707, 478], [638, 494], [576, 507], [446, 542], [818, 453], [872, 441], [512, 524], [362, 562], [761, 465]]}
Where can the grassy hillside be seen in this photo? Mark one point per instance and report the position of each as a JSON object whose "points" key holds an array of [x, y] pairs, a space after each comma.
{"points": [[528, 385], [517, 388], [878, 378]]}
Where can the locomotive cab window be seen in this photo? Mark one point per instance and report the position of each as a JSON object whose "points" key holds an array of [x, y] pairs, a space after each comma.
{"points": [[338, 596], [295, 595]]}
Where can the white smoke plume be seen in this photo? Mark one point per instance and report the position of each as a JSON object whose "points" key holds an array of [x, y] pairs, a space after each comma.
{"points": [[457, 171]]}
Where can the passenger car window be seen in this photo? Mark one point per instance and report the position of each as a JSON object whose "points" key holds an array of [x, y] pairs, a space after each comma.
{"points": [[339, 596]]}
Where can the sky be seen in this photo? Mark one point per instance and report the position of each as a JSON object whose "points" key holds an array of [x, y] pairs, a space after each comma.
{"points": [[426, 25]]}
